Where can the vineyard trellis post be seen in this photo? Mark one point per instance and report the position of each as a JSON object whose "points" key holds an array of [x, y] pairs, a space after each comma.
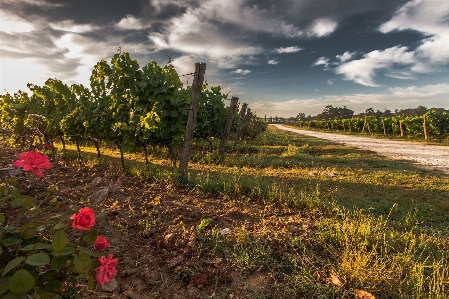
{"points": [[198, 79], [426, 137], [383, 125], [246, 123], [239, 127], [229, 120], [400, 127]]}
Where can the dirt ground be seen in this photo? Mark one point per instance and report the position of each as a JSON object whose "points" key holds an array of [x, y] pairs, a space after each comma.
{"points": [[428, 156], [155, 238]]}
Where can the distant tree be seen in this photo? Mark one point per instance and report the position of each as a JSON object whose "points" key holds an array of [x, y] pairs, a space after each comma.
{"points": [[331, 112], [301, 116]]}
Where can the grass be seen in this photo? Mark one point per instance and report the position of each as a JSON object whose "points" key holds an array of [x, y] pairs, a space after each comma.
{"points": [[377, 224]]}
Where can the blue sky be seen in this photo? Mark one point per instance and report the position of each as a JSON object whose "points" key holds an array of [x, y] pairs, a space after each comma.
{"points": [[282, 57]]}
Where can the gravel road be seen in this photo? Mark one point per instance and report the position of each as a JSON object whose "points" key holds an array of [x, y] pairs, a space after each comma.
{"points": [[434, 156]]}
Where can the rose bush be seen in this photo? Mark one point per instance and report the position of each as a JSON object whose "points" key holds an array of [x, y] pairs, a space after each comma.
{"points": [[37, 256]]}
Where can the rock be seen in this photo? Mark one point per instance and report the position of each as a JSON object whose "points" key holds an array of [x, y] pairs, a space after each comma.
{"points": [[111, 286]]}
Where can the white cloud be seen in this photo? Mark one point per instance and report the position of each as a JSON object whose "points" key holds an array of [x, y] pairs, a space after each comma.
{"points": [[322, 61], [431, 18], [70, 26], [363, 70], [431, 96], [11, 23], [13, 78], [131, 23], [288, 49], [322, 27], [241, 71], [273, 61], [345, 56], [86, 51]]}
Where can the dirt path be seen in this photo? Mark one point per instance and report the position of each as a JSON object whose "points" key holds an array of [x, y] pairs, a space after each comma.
{"points": [[433, 156]]}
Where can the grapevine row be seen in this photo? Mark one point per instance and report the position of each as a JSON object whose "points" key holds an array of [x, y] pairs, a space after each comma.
{"points": [[129, 106]]}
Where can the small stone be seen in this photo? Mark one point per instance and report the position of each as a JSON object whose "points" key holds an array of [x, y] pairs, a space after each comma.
{"points": [[111, 286]]}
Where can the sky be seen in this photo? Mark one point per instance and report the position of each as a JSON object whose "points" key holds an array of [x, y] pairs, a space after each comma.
{"points": [[282, 57]]}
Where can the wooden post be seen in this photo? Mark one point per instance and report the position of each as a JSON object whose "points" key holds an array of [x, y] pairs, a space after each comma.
{"points": [[246, 123], [198, 79], [400, 127], [239, 127], [383, 125], [229, 120], [426, 138]]}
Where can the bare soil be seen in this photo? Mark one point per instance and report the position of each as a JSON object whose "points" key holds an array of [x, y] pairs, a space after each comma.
{"points": [[421, 154], [155, 238]]}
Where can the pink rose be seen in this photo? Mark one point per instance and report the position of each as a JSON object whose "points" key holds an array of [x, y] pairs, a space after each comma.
{"points": [[101, 243], [107, 270], [84, 220], [34, 162]]}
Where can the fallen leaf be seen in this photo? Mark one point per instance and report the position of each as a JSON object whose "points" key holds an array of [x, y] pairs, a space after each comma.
{"points": [[200, 280], [335, 280], [361, 294]]}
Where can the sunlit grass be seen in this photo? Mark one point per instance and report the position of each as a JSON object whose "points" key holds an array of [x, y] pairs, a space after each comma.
{"points": [[379, 224]]}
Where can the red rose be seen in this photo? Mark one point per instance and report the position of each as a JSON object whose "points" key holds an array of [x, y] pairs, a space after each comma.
{"points": [[84, 220], [101, 243], [107, 270], [32, 161]]}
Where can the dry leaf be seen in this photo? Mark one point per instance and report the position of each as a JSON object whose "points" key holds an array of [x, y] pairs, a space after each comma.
{"points": [[200, 280], [335, 280], [364, 295]]}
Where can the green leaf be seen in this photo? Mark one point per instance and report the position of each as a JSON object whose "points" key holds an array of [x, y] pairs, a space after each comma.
{"points": [[11, 242], [38, 259], [12, 264], [64, 252], [4, 285], [18, 202], [87, 251], [81, 263], [60, 225], [58, 262], [101, 216], [91, 281], [91, 236], [27, 232], [11, 295], [2, 218], [59, 240], [21, 282], [53, 286]]}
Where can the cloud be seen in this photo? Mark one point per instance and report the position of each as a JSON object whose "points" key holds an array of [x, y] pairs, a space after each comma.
{"points": [[322, 27], [273, 61], [431, 96], [288, 49], [322, 61], [131, 23], [345, 56], [429, 17], [11, 23], [70, 26], [363, 70], [241, 71]]}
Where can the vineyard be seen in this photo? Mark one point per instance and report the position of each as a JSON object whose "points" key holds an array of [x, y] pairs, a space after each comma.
{"points": [[127, 106], [431, 125], [95, 207]]}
